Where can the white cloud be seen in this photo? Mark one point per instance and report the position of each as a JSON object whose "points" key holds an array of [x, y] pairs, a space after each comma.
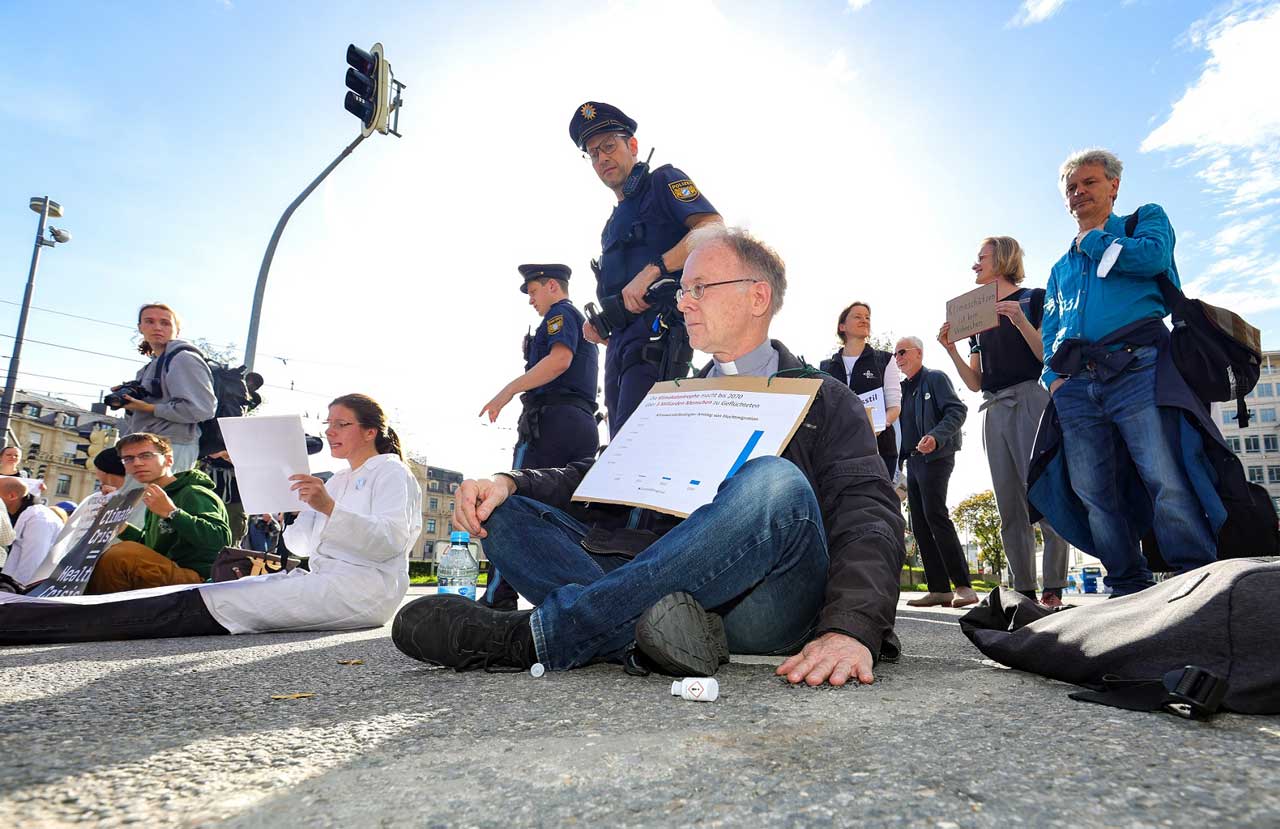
{"points": [[1036, 11], [855, 5], [1226, 125]]}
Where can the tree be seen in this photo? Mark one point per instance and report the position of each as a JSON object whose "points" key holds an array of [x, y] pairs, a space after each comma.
{"points": [[979, 516]]}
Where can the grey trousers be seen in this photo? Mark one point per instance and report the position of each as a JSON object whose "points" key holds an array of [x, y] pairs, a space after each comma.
{"points": [[1008, 433]]}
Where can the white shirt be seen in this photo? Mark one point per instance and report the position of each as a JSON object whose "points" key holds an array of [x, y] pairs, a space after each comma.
{"points": [[29, 558], [359, 559]]}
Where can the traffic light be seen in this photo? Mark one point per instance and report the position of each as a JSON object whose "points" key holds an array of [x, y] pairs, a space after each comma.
{"points": [[369, 79]]}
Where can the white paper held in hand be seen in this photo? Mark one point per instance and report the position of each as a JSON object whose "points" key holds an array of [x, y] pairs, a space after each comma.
{"points": [[266, 451]]}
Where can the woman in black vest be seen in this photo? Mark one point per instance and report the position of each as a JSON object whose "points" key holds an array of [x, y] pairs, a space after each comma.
{"points": [[867, 369]]}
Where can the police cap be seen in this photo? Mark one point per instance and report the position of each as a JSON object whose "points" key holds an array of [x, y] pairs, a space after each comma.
{"points": [[528, 272], [594, 117]]}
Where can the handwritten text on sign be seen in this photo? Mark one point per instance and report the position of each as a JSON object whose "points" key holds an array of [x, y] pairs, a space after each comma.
{"points": [[973, 312]]}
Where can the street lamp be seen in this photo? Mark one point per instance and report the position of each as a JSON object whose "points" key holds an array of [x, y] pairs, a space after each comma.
{"points": [[47, 208]]}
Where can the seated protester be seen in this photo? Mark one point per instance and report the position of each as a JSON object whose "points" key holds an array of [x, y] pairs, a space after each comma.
{"points": [[184, 530], [35, 527], [358, 529], [795, 555]]}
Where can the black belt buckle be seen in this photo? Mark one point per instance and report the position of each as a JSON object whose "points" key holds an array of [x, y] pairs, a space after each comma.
{"points": [[1194, 693]]}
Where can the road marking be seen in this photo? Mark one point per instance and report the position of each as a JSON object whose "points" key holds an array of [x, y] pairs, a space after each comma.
{"points": [[929, 621]]}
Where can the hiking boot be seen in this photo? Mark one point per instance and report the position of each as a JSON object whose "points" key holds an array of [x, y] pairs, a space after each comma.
{"points": [[459, 633], [681, 638], [932, 600]]}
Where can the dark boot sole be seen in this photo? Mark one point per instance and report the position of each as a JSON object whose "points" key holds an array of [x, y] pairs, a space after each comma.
{"points": [[682, 638], [412, 630]]}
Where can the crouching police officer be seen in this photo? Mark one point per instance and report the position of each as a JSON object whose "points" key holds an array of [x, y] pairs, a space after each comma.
{"points": [[643, 250], [557, 390]]}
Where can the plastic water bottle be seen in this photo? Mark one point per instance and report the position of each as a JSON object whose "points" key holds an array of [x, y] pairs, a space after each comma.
{"points": [[458, 570], [696, 689]]}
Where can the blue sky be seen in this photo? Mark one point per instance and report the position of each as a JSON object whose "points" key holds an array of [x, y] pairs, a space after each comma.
{"points": [[873, 143]]}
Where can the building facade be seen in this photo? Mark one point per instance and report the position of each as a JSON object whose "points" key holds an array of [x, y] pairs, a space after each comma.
{"points": [[1258, 444], [438, 488], [58, 440]]}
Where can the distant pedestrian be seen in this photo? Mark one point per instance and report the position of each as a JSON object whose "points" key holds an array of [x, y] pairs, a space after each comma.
{"points": [[1005, 364], [932, 415]]}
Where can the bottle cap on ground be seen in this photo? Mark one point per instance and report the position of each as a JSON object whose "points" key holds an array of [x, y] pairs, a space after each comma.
{"points": [[537, 670]]}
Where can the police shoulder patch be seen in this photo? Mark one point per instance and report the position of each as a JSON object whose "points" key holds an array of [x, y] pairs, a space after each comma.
{"points": [[684, 190], [555, 324]]}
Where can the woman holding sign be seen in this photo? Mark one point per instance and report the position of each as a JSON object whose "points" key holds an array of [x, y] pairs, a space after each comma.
{"points": [[1004, 364], [873, 376], [357, 528]]}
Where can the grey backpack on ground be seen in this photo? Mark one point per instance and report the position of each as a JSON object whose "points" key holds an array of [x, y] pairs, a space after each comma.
{"points": [[1189, 644]]}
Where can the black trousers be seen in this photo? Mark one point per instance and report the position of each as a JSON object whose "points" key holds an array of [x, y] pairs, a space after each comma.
{"points": [[935, 534], [182, 613]]}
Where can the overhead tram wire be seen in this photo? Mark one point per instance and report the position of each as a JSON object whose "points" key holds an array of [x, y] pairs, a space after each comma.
{"points": [[21, 373], [73, 348]]}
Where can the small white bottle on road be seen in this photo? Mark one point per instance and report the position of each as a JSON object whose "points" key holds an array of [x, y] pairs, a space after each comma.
{"points": [[697, 689]]}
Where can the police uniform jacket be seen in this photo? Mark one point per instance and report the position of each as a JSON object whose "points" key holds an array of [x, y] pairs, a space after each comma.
{"points": [[836, 450]]}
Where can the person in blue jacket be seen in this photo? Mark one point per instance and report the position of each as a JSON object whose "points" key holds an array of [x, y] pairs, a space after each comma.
{"points": [[1103, 339], [643, 249]]}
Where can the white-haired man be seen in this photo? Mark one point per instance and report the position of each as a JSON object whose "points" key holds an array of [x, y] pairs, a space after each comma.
{"points": [[795, 555], [1104, 343]]}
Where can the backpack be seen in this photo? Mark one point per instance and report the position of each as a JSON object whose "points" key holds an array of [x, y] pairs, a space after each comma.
{"points": [[234, 389], [1192, 643], [1216, 351]]}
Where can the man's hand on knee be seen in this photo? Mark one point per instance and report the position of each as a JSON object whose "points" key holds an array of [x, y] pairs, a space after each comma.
{"points": [[832, 657], [476, 500]]}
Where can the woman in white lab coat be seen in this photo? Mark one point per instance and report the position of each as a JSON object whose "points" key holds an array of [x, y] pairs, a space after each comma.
{"points": [[357, 529]]}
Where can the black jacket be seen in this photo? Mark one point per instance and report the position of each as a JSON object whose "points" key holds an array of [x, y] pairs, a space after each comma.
{"points": [[836, 450], [933, 409]]}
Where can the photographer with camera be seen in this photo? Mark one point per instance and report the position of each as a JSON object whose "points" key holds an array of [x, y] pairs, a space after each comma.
{"points": [[643, 249], [170, 396]]}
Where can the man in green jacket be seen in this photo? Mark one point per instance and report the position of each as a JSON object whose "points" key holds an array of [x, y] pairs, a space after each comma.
{"points": [[186, 523]]}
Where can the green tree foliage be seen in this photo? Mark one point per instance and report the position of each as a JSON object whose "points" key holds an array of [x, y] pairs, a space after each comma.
{"points": [[978, 516]]}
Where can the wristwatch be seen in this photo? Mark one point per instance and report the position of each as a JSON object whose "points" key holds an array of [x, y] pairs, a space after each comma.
{"points": [[661, 266]]}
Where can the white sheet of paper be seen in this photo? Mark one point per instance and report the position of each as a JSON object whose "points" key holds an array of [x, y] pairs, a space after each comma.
{"points": [[874, 400], [683, 441], [266, 451]]}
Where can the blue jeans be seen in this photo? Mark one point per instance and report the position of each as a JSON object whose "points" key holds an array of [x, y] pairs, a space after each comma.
{"points": [[757, 554], [1094, 416]]}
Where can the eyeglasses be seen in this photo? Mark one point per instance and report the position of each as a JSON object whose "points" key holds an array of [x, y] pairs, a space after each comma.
{"points": [[696, 291], [140, 457], [337, 424], [605, 147], [902, 351]]}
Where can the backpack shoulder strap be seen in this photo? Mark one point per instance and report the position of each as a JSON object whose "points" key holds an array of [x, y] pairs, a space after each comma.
{"points": [[1171, 293], [170, 353]]}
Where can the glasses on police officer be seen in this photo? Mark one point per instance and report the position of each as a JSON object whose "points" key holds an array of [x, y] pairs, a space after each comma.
{"points": [[605, 147], [696, 291]]}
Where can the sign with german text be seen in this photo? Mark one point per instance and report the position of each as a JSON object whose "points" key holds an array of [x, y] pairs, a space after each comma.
{"points": [[973, 312]]}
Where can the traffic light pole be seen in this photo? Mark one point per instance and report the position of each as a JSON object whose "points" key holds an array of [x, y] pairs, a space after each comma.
{"points": [[251, 347], [11, 382]]}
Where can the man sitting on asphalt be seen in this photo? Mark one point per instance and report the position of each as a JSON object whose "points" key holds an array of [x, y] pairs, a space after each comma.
{"points": [[795, 555], [35, 527], [185, 527]]}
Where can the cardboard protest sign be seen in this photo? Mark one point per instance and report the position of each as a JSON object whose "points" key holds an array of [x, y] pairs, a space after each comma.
{"points": [[973, 312], [71, 576]]}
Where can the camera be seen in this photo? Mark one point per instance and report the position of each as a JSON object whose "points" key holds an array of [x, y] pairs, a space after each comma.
{"points": [[133, 389]]}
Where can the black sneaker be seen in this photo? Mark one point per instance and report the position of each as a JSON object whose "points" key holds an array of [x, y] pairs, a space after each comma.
{"points": [[463, 634], [681, 638]]}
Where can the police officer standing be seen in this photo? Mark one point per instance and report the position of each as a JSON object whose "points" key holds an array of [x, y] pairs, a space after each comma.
{"points": [[558, 387], [643, 250]]}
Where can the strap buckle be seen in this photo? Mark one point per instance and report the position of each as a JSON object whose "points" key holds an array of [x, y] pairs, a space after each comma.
{"points": [[1193, 692]]}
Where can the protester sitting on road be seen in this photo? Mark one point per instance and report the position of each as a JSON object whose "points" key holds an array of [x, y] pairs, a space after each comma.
{"points": [[866, 369], [35, 526], [932, 415], [357, 528], [1005, 364], [184, 529], [757, 556]]}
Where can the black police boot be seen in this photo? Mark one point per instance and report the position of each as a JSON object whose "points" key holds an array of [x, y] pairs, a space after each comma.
{"points": [[463, 634], [681, 638]]}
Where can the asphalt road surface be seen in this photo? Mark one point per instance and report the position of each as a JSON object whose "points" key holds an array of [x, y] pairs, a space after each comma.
{"points": [[184, 732]]}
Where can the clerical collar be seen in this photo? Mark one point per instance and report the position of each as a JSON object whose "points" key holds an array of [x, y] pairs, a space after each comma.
{"points": [[760, 361]]}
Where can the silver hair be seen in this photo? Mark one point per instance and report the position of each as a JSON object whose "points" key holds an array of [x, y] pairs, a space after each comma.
{"points": [[1112, 167], [916, 342], [759, 261]]}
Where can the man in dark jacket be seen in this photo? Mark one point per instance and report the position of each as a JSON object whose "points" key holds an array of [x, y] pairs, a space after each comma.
{"points": [[932, 415], [795, 555]]}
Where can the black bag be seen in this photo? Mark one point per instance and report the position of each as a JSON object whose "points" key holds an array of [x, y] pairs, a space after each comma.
{"points": [[235, 389], [1205, 638], [234, 563], [1216, 351]]}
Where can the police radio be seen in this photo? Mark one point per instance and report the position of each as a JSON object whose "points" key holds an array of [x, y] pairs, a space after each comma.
{"points": [[638, 172]]}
